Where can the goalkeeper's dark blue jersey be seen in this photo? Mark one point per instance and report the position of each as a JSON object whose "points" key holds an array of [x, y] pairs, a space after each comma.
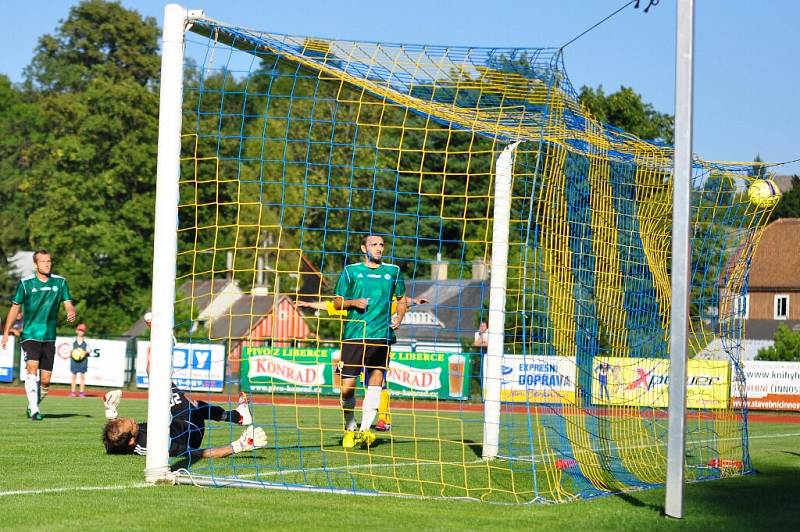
{"points": [[185, 431], [184, 438]]}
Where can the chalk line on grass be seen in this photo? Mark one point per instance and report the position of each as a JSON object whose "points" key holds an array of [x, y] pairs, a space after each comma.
{"points": [[75, 488]]}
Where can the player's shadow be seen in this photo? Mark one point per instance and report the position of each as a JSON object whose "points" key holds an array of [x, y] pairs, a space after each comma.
{"points": [[633, 501], [792, 453], [475, 447], [60, 416]]}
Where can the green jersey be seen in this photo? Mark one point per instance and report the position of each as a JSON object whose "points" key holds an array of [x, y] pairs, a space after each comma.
{"points": [[40, 302], [379, 285]]}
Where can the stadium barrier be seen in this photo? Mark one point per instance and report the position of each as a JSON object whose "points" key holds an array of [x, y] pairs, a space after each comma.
{"points": [[108, 362], [7, 361], [768, 386], [195, 366], [418, 374]]}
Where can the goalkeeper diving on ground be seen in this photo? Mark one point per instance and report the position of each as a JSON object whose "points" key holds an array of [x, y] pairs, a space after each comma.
{"points": [[187, 428], [125, 436]]}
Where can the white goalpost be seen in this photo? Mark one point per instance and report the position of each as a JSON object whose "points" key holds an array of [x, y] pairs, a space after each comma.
{"points": [[165, 243], [497, 302]]}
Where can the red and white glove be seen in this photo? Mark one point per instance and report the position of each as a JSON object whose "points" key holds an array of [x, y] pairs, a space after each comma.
{"points": [[244, 410], [251, 438]]}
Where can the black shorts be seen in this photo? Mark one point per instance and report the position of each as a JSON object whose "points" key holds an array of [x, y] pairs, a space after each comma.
{"points": [[43, 352], [369, 354]]}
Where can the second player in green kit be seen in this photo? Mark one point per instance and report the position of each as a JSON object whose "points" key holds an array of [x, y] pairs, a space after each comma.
{"points": [[366, 291]]}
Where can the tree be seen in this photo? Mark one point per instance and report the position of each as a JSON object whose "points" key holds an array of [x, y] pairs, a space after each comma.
{"points": [[786, 347], [98, 39], [84, 174], [19, 120], [626, 110], [789, 206], [758, 170]]}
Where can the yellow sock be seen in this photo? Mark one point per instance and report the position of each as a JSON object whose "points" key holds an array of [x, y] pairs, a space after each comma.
{"points": [[383, 407]]}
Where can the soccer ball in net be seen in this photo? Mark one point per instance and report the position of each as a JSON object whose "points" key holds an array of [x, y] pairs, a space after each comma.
{"points": [[764, 193], [78, 354]]}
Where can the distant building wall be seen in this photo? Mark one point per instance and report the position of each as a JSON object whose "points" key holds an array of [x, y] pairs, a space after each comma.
{"points": [[762, 305]]}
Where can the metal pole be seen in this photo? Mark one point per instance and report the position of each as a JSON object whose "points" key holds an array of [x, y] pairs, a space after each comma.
{"points": [[681, 258], [497, 302], [165, 245]]}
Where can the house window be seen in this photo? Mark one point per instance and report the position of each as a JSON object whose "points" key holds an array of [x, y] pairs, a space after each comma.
{"points": [[781, 306], [741, 306]]}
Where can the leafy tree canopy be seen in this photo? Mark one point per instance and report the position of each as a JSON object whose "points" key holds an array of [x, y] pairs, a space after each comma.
{"points": [[626, 110], [97, 40], [789, 206]]}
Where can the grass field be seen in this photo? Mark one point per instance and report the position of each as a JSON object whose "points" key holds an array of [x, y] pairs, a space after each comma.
{"points": [[55, 476]]}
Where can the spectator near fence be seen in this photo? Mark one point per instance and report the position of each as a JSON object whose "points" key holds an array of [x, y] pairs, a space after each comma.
{"points": [[79, 360]]}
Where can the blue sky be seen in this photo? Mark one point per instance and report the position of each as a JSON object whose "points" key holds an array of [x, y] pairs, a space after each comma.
{"points": [[747, 53]]}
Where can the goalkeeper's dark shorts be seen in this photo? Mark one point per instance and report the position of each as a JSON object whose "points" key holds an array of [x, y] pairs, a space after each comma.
{"points": [[358, 355], [42, 352]]}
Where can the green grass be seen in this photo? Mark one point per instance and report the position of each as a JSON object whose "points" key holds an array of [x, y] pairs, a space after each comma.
{"points": [[54, 475]]}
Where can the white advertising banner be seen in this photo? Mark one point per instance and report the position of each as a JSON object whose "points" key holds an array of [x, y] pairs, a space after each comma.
{"points": [[199, 367], [538, 379], [768, 386], [106, 366], [7, 360]]}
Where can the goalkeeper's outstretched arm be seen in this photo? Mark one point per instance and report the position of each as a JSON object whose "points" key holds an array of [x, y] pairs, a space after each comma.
{"points": [[252, 438]]}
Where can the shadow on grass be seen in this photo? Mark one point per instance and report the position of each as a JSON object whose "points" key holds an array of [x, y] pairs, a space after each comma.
{"points": [[183, 463], [475, 447], [60, 416], [754, 502], [634, 501]]}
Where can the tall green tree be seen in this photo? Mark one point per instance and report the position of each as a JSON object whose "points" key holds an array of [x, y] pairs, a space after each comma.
{"points": [[87, 189], [627, 110], [98, 40], [18, 118]]}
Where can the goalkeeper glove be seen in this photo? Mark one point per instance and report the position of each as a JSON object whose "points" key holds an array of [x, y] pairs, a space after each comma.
{"points": [[251, 438], [244, 410], [111, 401]]}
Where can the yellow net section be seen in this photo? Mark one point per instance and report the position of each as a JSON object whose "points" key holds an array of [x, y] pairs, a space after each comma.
{"points": [[296, 148]]}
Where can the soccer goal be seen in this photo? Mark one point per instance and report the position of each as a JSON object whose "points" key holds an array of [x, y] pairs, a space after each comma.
{"points": [[502, 201]]}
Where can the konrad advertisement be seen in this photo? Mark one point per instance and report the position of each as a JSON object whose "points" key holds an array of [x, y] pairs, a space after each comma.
{"points": [[311, 371]]}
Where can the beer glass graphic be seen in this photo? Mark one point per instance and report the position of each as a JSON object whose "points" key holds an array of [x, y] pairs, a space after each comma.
{"points": [[455, 374], [336, 357]]}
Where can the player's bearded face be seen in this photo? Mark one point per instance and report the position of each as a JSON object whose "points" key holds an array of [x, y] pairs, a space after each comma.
{"points": [[374, 248]]}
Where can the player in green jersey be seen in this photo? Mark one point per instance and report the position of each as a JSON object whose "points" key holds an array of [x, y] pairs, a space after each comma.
{"points": [[384, 423], [39, 296], [366, 290]]}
